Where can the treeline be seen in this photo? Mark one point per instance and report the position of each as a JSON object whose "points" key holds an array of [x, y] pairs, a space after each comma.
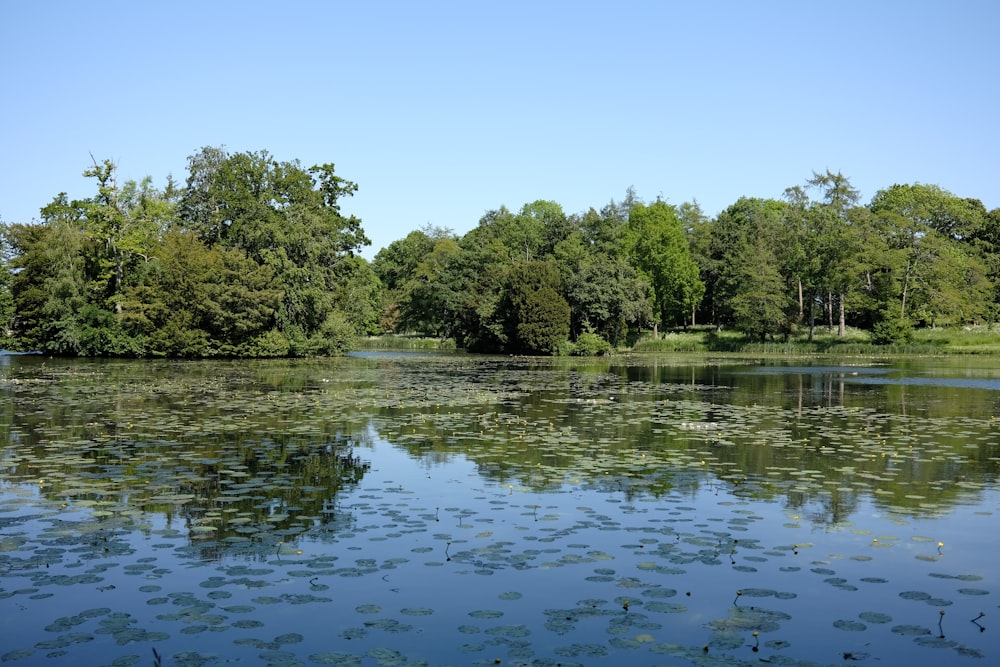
{"points": [[252, 257], [541, 281]]}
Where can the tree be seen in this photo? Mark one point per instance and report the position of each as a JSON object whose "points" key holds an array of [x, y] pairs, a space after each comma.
{"points": [[930, 206], [544, 322], [259, 263], [123, 222], [430, 301], [282, 217], [6, 296], [358, 295], [987, 241], [413, 273], [930, 265], [606, 294], [750, 290], [760, 305], [828, 249], [536, 316], [49, 286], [205, 301], [660, 250]]}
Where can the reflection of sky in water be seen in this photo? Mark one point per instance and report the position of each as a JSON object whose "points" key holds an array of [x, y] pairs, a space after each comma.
{"points": [[959, 383], [648, 542], [877, 376], [521, 564]]}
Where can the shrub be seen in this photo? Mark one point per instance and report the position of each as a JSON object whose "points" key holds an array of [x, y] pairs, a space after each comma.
{"points": [[590, 345], [892, 329]]}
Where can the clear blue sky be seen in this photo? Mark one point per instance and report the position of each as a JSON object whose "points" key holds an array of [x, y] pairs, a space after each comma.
{"points": [[440, 111]]}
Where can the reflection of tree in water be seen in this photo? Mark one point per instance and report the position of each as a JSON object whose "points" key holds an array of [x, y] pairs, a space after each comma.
{"points": [[827, 509], [232, 496], [275, 492]]}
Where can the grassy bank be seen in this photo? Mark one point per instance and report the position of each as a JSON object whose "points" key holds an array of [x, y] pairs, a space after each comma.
{"points": [[397, 342], [964, 340]]}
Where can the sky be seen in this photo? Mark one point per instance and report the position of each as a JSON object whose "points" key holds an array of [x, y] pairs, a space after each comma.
{"points": [[442, 111]]}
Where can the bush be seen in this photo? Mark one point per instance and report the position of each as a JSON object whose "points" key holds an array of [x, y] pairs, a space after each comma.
{"points": [[336, 336], [892, 329], [590, 345], [271, 343]]}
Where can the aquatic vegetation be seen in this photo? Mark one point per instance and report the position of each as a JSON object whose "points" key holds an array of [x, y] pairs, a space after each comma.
{"points": [[514, 510]]}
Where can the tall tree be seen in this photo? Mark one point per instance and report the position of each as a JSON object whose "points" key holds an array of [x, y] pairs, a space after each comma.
{"points": [[760, 304], [281, 216], [430, 302], [931, 267], [750, 290], [50, 286], [6, 296], [411, 272], [828, 242], [660, 250], [535, 315], [205, 301], [606, 294]]}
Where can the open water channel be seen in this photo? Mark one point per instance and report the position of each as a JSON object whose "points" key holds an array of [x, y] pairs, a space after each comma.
{"points": [[414, 509]]}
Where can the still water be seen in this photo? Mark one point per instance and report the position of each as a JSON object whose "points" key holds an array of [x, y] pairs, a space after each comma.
{"points": [[459, 510]]}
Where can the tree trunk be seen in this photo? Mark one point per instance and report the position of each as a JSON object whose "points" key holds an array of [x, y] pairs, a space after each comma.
{"points": [[906, 285], [842, 328], [829, 311], [801, 305], [812, 315]]}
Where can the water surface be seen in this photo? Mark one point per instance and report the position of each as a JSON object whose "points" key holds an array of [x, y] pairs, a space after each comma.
{"points": [[457, 510]]}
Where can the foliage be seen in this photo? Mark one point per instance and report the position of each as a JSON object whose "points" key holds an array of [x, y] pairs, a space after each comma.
{"points": [[6, 296], [252, 258], [589, 344], [535, 316], [751, 293], [660, 250], [892, 329], [397, 342], [930, 267]]}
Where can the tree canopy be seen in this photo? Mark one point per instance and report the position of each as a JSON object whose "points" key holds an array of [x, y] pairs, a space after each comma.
{"points": [[253, 257], [256, 257]]}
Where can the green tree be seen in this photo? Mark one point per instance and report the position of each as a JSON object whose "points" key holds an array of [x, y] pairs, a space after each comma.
{"points": [[760, 304], [413, 271], [122, 222], [203, 301], [49, 286], [816, 249], [75, 269], [536, 315], [6, 295], [930, 266], [358, 296], [285, 218], [987, 241], [606, 295], [930, 206], [750, 291], [430, 302], [660, 250], [477, 278]]}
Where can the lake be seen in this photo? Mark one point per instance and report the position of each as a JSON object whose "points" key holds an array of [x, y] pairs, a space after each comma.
{"points": [[423, 509]]}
